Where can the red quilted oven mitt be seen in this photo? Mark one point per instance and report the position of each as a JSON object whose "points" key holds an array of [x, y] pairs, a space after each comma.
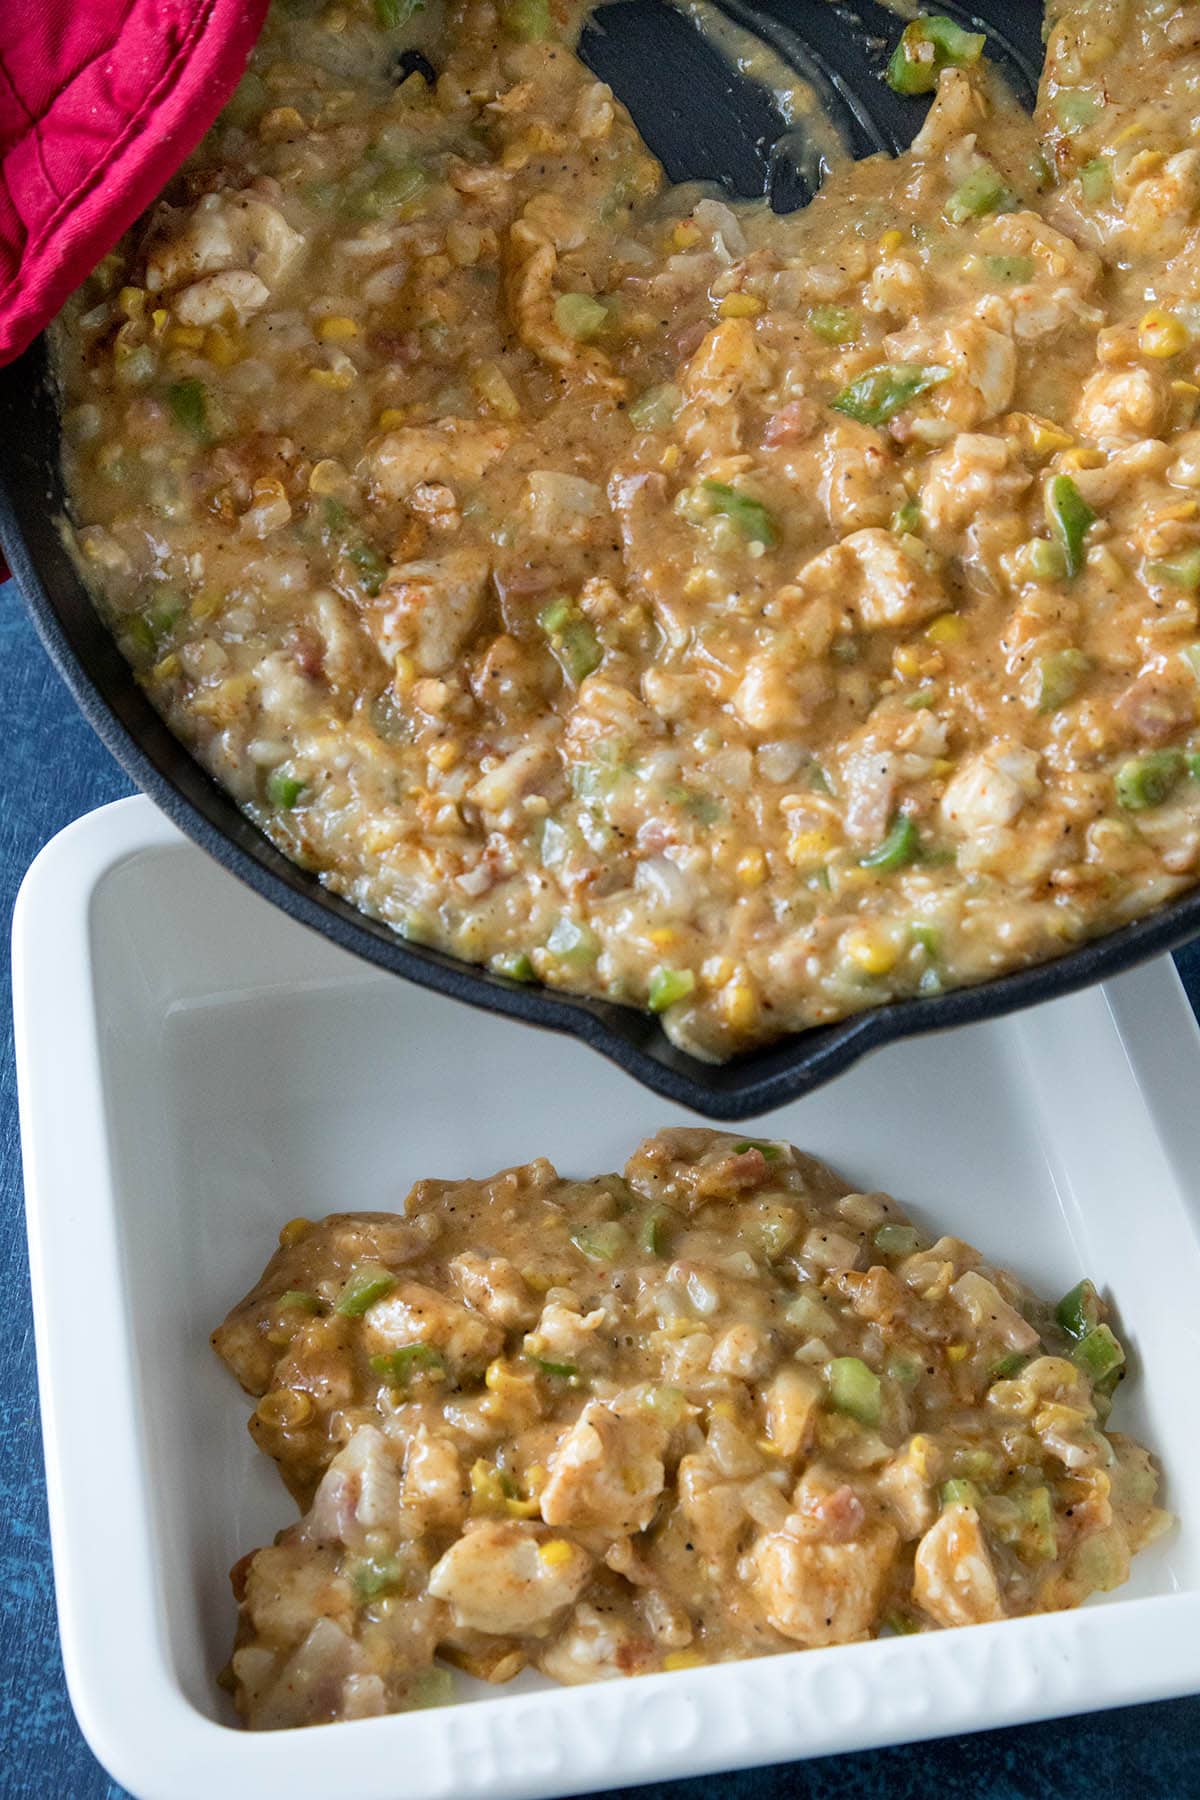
{"points": [[100, 102]]}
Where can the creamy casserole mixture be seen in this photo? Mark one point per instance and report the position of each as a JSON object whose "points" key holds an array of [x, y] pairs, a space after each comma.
{"points": [[750, 618], [715, 1406]]}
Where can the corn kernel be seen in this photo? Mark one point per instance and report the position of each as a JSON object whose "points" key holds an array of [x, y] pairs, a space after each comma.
{"points": [[285, 1408], [185, 337], [664, 937], [906, 660], [741, 306], [132, 302], [332, 378], [541, 136], [956, 1353], [221, 347], [686, 235], [1045, 438], [715, 971], [947, 628], [675, 1660], [1187, 390], [158, 318], [327, 477], [808, 848], [280, 122], [336, 328], [487, 1491], [379, 839], [496, 390], [918, 1450], [392, 417], [891, 240], [871, 949], [1186, 509], [853, 875], [669, 460], [1082, 459], [1161, 334], [293, 1231], [739, 1006], [752, 867], [167, 669], [556, 1554]]}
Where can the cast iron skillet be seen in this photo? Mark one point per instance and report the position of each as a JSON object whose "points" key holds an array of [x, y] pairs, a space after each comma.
{"points": [[701, 119]]}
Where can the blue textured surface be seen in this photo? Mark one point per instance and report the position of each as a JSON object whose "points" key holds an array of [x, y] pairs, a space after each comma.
{"points": [[53, 770]]}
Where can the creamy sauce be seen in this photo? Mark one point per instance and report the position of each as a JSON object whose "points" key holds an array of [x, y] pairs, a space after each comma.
{"points": [[751, 618], [717, 1406]]}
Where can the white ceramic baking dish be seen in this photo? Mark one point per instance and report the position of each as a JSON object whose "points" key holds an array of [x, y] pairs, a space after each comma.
{"points": [[195, 1069]]}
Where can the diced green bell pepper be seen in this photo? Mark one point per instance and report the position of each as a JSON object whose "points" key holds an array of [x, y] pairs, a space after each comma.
{"points": [[398, 1367], [749, 515], [1010, 269], [1060, 676], [927, 46], [513, 963], [1095, 178], [580, 316], [527, 20], [1078, 1312], [854, 1389], [900, 847], [1148, 780], [655, 1229], [833, 324], [391, 14], [897, 1240], [375, 1575], [876, 396], [189, 407], [981, 192], [1099, 1354], [573, 642], [298, 1300], [1179, 571], [602, 1242], [365, 1284], [372, 567], [283, 790], [656, 408], [1070, 518], [668, 986], [560, 1371]]}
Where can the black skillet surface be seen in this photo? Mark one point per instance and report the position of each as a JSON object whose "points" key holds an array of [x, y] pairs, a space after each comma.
{"points": [[702, 119]]}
